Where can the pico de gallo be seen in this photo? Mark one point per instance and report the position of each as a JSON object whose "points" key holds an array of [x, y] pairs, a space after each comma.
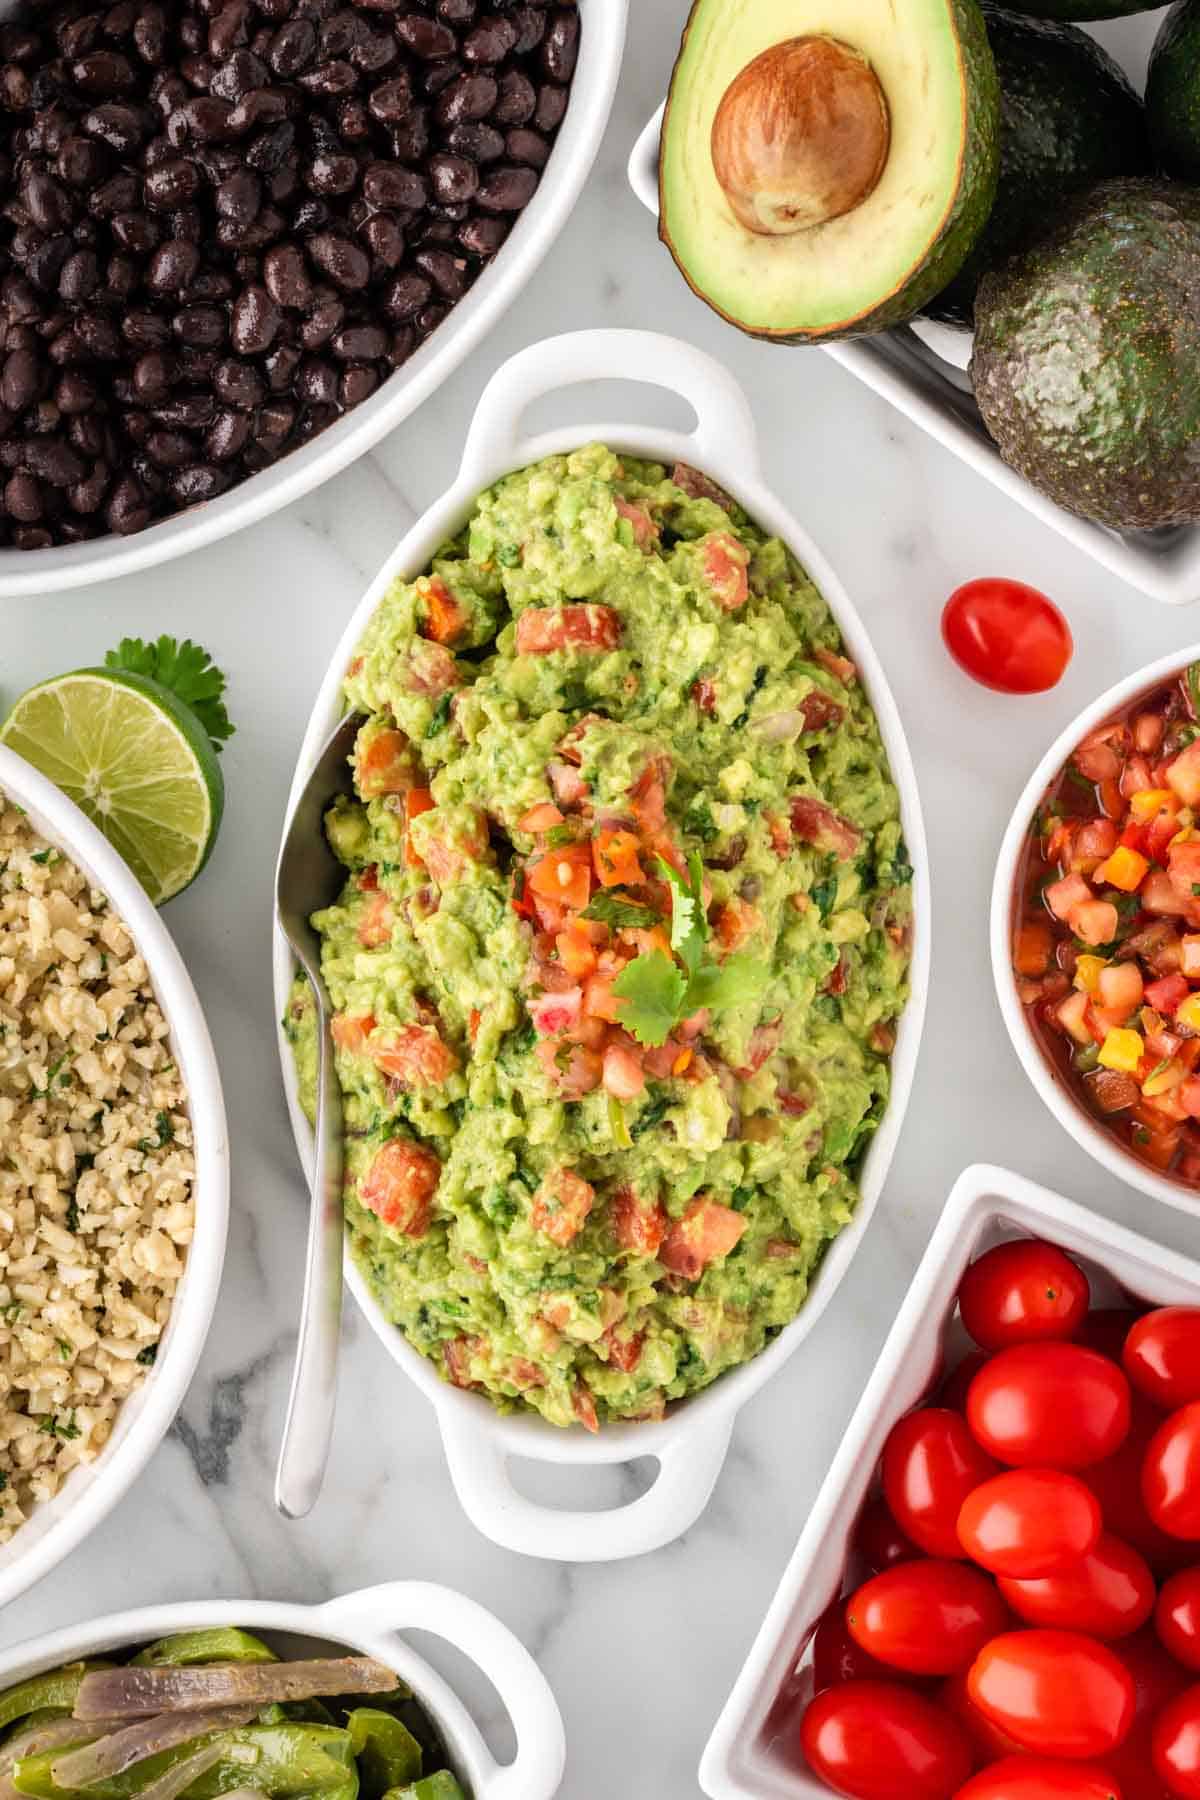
{"points": [[1106, 935], [623, 942]]}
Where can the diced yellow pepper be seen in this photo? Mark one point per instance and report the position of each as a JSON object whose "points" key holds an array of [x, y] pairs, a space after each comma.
{"points": [[1122, 1050], [1087, 973], [1147, 803], [1125, 869], [1188, 1012], [1164, 1079]]}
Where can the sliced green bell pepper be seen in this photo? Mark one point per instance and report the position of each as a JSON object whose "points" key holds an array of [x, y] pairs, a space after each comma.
{"points": [[441, 1786], [280, 1760], [219, 1644], [387, 1752], [56, 1689]]}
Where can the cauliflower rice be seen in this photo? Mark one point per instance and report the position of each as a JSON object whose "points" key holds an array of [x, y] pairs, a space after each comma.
{"points": [[96, 1169]]}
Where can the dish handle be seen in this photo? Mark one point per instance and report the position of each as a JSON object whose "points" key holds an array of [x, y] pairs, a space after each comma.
{"points": [[537, 1768], [643, 163], [724, 437], [687, 1473]]}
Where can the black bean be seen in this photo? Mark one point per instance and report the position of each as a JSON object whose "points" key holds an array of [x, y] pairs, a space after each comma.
{"points": [[51, 461], [457, 12], [228, 30], [507, 189], [122, 128], [239, 75], [239, 196], [137, 232], [152, 377], [410, 138], [118, 194], [530, 23], [172, 266], [430, 317], [340, 32], [467, 97], [170, 449], [87, 496], [345, 264], [170, 184], [200, 327], [387, 185], [45, 201], [31, 537], [286, 276], [360, 343], [316, 381], [453, 179], [280, 366], [435, 76], [198, 72], [385, 240], [45, 264], [321, 323], [102, 73], [354, 120], [551, 105], [268, 150], [227, 434], [275, 422], [254, 321], [357, 382], [23, 498], [293, 47], [525, 146], [75, 393], [79, 276], [491, 40], [238, 383], [310, 215], [374, 53], [202, 481], [390, 100], [150, 34], [517, 101], [405, 295], [483, 237], [425, 37], [186, 412], [81, 162], [20, 380], [560, 46], [474, 139], [332, 174], [187, 224]]}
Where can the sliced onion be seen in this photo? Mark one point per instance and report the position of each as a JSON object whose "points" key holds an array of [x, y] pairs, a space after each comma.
{"points": [[780, 727], [107, 1756], [180, 1776], [35, 1739], [132, 1693]]}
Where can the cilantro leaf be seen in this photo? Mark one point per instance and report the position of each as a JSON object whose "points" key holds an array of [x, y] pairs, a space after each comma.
{"points": [[1193, 688], [187, 670], [651, 990], [611, 909], [689, 927], [734, 982]]}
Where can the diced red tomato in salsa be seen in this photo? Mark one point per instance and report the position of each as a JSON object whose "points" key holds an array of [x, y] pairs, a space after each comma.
{"points": [[576, 626], [706, 1232], [399, 1186]]}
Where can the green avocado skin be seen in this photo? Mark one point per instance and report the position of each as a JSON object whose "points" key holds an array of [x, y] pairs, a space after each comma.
{"points": [[1173, 92], [1068, 116], [1083, 9], [1087, 345]]}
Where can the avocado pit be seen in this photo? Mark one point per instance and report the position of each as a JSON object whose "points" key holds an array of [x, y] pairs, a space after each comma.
{"points": [[801, 136]]}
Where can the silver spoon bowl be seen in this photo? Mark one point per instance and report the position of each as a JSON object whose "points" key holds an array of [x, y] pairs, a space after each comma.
{"points": [[308, 878]]}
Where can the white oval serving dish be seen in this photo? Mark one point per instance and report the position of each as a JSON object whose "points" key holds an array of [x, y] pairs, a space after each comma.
{"points": [[1069, 1112], [743, 1759], [368, 1622], [690, 1444], [593, 89], [91, 1491]]}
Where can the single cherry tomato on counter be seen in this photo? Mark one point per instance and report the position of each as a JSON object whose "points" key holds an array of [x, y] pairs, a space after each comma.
{"points": [[1056, 1692], [1106, 1328], [930, 1464], [875, 1740], [1049, 1404], [1108, 1593], [879, 1540], [927, 1618], [1022, 1293], [1027, 1523], [1175, 1744], [1171, 1474], [1117, 1484], [837, 1658], [1042, 1778], [1007, 636], [1162, 1356], [1177, 1617], [953, 1391], [988, 1740]]}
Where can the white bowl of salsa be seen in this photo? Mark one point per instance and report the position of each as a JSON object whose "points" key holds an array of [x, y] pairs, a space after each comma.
{"points": [[1095, 929], [690, 1443]]}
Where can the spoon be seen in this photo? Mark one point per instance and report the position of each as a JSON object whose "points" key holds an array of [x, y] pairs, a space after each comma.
{"points": [[309, 877]]}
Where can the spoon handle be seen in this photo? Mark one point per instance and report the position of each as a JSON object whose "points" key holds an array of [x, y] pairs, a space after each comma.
{"points": [[309, 1424]]}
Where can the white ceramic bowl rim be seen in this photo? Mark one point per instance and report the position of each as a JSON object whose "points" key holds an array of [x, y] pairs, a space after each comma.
{"points": [[1057, 1095], [92, 1491], [592, 93], [368, 1621], [691, 1442]]}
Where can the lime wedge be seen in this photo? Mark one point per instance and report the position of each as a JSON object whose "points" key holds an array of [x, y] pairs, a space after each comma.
{"points": [[135, 759]]}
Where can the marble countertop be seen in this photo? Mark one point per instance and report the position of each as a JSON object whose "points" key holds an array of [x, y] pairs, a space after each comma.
{"points": [[641, 1654]]}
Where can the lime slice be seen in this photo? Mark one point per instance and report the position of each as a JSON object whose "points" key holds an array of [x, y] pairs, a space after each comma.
{"points": [[135, 759]]}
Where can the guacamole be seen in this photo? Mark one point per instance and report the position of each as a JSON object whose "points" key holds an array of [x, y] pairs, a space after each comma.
{"points": [[623, 940]]}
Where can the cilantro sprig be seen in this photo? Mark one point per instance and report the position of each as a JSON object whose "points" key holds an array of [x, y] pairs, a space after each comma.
{"points": [[187, 670], [657, 990]]}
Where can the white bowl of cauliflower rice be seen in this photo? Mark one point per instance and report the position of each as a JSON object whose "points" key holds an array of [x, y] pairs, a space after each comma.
{"points": [[114, 1177]]}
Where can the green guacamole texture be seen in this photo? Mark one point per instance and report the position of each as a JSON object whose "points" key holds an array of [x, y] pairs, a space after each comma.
{"points": [[705, 721]]}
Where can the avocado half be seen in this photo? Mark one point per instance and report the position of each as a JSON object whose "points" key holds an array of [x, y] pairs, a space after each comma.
{"points": [[1068, 116], [827, 165], [1173, 91], [1087, 345]]}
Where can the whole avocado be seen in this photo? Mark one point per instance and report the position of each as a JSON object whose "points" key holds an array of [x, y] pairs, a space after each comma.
{"points": [[1173, 92], [1083, 9], [1087, 345], [1068, 116]]}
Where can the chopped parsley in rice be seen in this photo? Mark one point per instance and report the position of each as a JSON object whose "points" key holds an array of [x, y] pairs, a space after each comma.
{"points": [[96, 1169]]}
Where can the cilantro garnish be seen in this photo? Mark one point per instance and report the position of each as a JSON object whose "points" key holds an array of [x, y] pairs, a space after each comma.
{"points": [[656, 992], [612, 909], [165, 1134], [1193, 688], [148, 1356], [187, 670], [52, 1426]]}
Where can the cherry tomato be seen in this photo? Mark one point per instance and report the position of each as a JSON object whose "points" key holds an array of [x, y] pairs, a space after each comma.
{"points": [[1007, 636], [1108, 1592], [1157, 1679], [927, 1618], [1053, 1404], [930, 1464], [988, 1739], [1162, 1356], [1106, 1328], [1175, 1744], [879, 1540], [873, 1740], [837, 1658], [1171, 1474], [1177, 1617], [1041, 1778], [1022, 1293], [1057, 1692], [1029, 1522], [1117, 1484], [953, 1391]]}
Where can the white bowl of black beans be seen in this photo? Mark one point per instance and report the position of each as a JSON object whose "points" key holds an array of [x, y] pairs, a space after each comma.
{"points": [[243, 239]]}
